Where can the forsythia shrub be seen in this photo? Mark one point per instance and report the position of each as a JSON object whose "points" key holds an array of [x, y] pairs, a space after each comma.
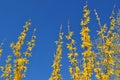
{"points": [[101, 59]]}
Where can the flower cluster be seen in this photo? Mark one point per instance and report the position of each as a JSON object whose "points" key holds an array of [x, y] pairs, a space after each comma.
{"points": [[86, 16], [7, 69], [30, 44], [19, 67], [105, 73], [74, 68], [16, 47], [88, 54], [20, 60], [116, 42], [56, 65]]}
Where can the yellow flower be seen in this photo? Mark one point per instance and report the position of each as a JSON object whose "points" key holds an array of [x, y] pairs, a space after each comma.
{"points": [[70, 55], [68, 37], [86, 53], [1, 52], [97, 69], [30, 48], [75, 54], [17, 54], [111, 71], [69, 47], [86, 38], [105, 77], [70, 34], [118, 72], [77, 69], [97, 76], [74, 48], [71, 70], [87, 11], [83, 23], [72, 41], [87, 19], [86, 44], [73, 60]]}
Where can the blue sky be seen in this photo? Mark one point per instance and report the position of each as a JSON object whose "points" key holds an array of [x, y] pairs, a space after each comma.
{"points": [[46, 16]]}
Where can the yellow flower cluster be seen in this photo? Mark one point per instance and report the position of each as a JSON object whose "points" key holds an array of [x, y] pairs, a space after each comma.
{"points": [[16, 47], [88, 54], [19, 67], [74, 68], [56, 65], [86, 16], [102, 31], [30, 44], [107, 49], [102, 28], [7, 69], [19, 62]]}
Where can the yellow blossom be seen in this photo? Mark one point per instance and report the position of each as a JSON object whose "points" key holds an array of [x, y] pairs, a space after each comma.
{"points": [[74, 69], [56, 65]]}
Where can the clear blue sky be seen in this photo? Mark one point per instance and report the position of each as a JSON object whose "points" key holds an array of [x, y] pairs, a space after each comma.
{"points": [[46, 16]]}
